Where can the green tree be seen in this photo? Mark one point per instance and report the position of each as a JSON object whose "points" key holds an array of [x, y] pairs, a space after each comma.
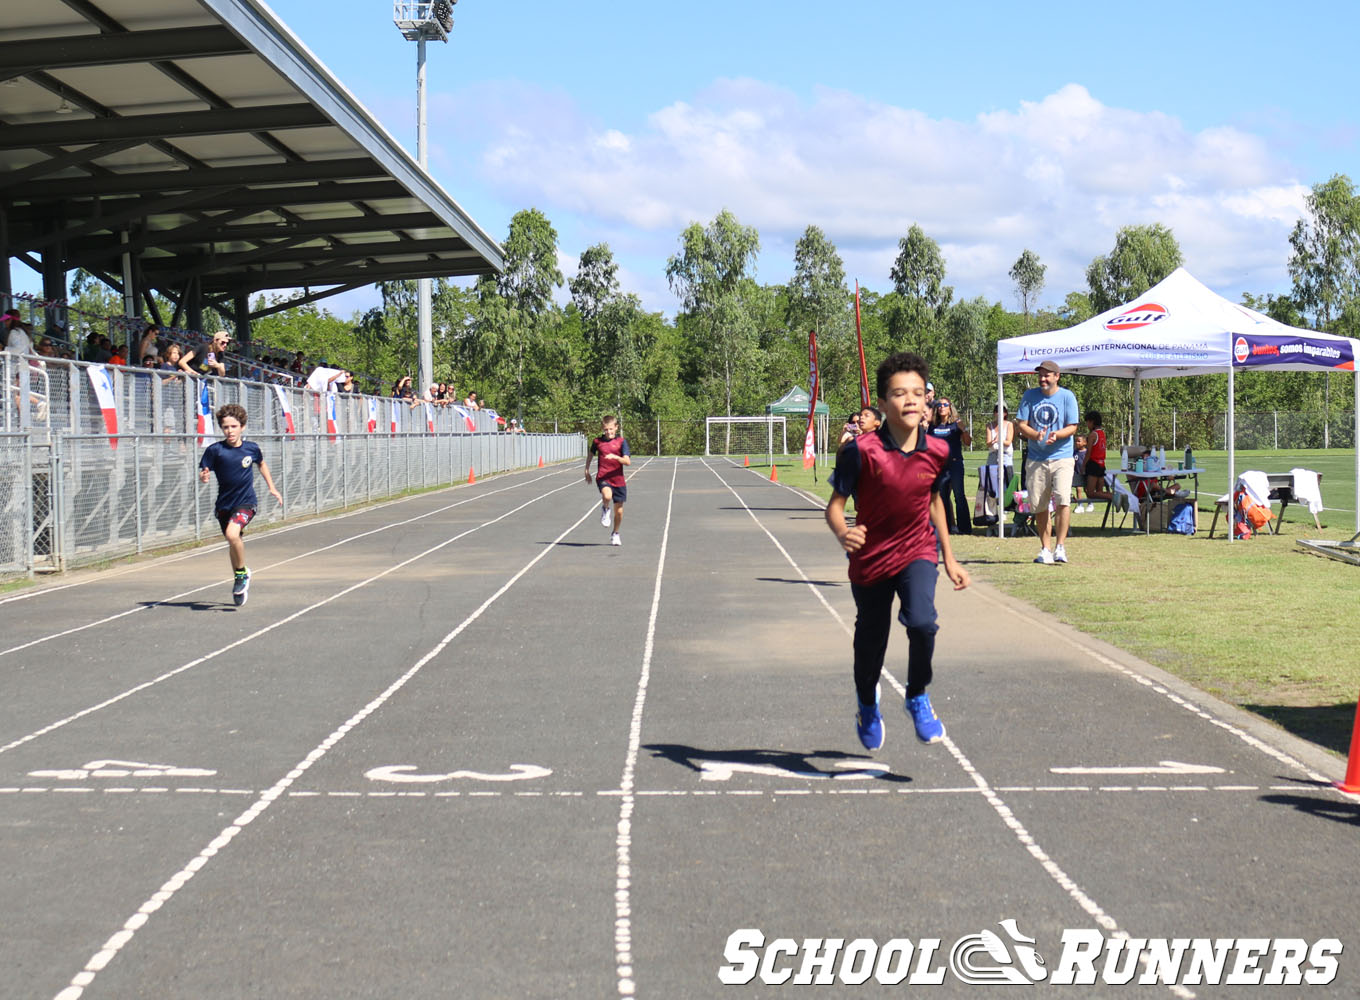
{"points": [[526, 288], [1324, 259], [918, 278], [817, 299], [1028, 275], [707, 274], [1142, 256]]}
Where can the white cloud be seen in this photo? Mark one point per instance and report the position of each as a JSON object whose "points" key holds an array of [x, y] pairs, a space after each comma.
{"points": [[1059, 175]]}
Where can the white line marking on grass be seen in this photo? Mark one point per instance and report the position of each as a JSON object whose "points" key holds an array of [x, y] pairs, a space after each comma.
{"points": [[100, 959], [263, 569], [1074, 891], [623, 876], [268, 628]]}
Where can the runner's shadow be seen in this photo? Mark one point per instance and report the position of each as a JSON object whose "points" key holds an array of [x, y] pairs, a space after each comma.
{"points": [[578, 545], [780, 579], [720, 765], [191, 605], [1321, 806]]}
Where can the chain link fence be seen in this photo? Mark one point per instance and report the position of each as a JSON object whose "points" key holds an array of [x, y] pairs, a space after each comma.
{"points": [[95, 466]]}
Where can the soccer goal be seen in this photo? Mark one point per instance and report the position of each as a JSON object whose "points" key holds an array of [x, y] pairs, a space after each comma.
{"points": [[746, 436]]}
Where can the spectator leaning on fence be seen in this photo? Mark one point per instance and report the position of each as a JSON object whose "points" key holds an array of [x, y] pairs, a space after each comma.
{"points": [[207, 360], [17, 334]]}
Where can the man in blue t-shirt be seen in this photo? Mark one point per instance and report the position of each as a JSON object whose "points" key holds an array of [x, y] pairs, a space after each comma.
{"points": [[1047, 418]]}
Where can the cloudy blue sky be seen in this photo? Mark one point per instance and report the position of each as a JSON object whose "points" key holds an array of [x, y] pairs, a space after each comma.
{"points": [[995, 126]]}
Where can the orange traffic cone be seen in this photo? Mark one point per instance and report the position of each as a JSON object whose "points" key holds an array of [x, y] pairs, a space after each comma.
{"points": [[472, 476], [1352, 782], [774, 473], [747, 463], [540, 461]]}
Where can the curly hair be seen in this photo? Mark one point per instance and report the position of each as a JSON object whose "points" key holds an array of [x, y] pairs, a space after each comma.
{"points": [[231, 410]]}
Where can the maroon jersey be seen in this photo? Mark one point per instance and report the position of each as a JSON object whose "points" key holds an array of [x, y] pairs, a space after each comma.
{"points": [[892, 490], [610, 471]]}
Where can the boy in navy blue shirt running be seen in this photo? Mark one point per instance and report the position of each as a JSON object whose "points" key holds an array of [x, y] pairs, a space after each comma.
{"points": [[234, 461], [896, 474]]}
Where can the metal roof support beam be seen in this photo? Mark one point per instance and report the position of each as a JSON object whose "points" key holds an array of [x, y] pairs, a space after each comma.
{"points": [[152, 182], [162, 126], [64, 160], [339, 253], [70, 51], [365, 275], [139, 209], [222, 262], [303, 300], [208, 200]]}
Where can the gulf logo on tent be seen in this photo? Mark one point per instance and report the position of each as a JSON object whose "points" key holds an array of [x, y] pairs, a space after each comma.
{"points": [[1240, 350], [1143, 314]]}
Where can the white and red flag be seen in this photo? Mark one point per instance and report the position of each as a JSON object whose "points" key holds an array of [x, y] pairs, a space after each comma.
{"points": [[102, 382], [810, 438], [372, 414], [287, 409], [330, 415], [396, 416], [467, 418], [429, 418]]}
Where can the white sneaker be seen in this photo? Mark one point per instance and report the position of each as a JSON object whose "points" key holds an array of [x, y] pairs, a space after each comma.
{"points": [[1059, 554], [1090, 508], [605, 517], [1045, 557], [614, 539]]}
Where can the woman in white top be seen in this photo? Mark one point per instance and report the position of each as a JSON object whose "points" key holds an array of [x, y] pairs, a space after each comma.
{"points": [[1007, 435]]}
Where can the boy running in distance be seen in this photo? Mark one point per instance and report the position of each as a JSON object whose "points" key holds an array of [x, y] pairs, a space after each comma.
{"points": [[898, 474], [613, 454], [234, 461]]}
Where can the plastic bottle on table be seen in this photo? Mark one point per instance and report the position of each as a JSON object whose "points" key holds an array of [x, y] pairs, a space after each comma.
{"points": [[1124, 457]]}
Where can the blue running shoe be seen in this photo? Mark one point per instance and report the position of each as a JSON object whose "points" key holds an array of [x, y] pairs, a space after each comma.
{"points": [[929, 728], [869, 725]]}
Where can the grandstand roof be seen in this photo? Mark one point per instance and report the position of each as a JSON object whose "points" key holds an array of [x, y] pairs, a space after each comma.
{"points": [[225, 150]]}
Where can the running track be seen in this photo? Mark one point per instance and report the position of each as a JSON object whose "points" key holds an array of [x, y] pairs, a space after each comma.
{"points": [[457, 745]]}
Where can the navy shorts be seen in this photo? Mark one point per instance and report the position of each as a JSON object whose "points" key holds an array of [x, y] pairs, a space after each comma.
{"points": [[241, 516], [620, 492]]}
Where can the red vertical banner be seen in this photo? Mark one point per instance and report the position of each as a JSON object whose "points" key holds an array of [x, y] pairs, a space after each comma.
{"points": [[864, 399], [810, 438]]}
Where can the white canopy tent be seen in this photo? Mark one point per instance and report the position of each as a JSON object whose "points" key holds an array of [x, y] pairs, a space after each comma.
{"points": [[1180, 327]]}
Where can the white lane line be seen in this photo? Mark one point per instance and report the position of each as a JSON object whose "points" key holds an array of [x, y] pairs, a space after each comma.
{"points": [[668, 792], [283, 562], [264, 532], [1251, 741], [268, 628], [1055, 872], [623, 875], [100, 959], [1256, 744]]}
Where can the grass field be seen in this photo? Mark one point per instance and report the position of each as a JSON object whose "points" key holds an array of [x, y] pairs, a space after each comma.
{"points": [[1259, 623]]}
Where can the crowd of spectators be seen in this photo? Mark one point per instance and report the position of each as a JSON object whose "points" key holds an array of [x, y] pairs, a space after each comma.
{"points": [[176, 353]]}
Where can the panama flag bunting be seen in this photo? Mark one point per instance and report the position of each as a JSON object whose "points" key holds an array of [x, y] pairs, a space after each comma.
{"points": [[396, 416], [372, 414], [102, 384], [467, 418], [810, 438], [863, 369], [204, 410], [429, 418], [330, 415], [287, 409]]}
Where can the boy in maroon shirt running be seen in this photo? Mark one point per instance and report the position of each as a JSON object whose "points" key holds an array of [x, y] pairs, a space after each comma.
{"points": [[612, 451], [897, 475]]}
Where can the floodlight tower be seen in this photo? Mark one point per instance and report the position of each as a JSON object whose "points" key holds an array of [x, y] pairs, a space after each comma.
{"points": [[420, 21]]}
